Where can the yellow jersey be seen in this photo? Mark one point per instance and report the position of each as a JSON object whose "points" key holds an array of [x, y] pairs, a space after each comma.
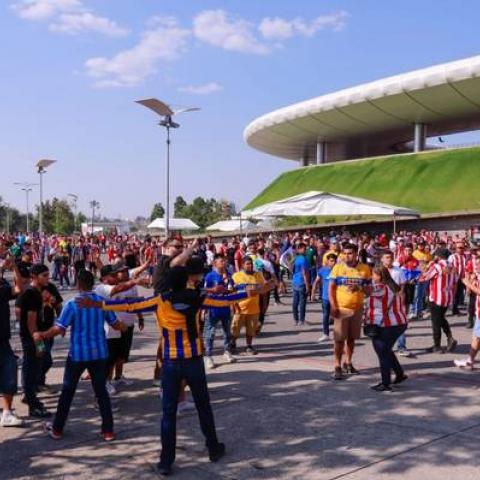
{"points": [[350, 282], [250, 305]]}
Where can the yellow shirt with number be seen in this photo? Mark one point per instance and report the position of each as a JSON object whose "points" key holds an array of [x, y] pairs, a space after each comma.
{"points": [[251, 305], [345, 297], [422, 256]]}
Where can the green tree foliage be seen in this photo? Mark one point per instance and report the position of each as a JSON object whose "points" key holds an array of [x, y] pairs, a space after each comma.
{"points": [[179, 207], [157, 212], [58, 217], [204, 212]]}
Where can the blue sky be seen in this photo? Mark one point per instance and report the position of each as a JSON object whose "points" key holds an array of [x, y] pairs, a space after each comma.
{"points": [[71, 70]]}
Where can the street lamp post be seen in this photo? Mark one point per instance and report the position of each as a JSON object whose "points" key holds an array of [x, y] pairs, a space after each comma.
{"points": [[27, 188], [42, 166], [166, 112], [93, 205]]}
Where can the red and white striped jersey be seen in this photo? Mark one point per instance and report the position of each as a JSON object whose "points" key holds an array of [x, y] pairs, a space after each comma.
{"points": [[458, 262], [442, 283], [384, 307]]}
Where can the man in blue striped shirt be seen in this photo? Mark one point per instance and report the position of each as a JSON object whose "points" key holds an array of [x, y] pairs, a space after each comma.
{"points": [[88, 351]]}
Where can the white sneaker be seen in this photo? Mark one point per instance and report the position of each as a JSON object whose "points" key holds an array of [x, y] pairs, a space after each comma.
{"points": [[404, 353], [111, 389], [156, 382], [465, 363], [185, 406], [123, 381], [209, 363], [9, 419], [323, 338], [228, 357], [411, 316]]}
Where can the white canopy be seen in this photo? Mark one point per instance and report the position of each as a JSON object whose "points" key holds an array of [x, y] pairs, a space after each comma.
{"points": [[231, 225], [174, 224], [324, 203]]}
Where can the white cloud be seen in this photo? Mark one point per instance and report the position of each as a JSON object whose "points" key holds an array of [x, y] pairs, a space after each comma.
{"points": [[44, 9], [205, 89], [131, 67], [76, 23], [217, 28], [277, 28]]}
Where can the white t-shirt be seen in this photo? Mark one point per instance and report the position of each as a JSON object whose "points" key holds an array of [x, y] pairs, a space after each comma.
{"points": [[105, 291], [127, 318], [398, 276]]}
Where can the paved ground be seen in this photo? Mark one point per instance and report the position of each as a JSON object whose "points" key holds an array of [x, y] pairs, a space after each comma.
{"points": [[279, 413]]}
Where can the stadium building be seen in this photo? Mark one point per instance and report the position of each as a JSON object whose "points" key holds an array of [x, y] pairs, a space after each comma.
{"points": [[387, 116]]}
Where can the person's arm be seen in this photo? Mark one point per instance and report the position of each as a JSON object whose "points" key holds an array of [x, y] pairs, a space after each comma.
{"points": [[471, 285], [212, 300], [316, 283], [122, 287], [132, 305], [306, 277], [181, 259], [332, 297], [136, 272]]}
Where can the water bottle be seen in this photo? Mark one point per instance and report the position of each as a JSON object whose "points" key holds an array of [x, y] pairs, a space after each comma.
{"points": [[40, 347]]}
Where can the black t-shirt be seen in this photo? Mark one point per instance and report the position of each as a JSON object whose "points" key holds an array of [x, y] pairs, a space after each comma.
{"points": [[5, 297], [51, 298], [160, 275], [29, 301]]}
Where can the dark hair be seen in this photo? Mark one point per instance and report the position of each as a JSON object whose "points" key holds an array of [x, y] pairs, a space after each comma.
{"points": [[218, 255], [86, 280], [409, 245], [177, 278], [351, 246], [387, 252], [301, 245], [387, 278], [331, 256], [195, 265], [38, 269], [247, 258], [261, 251]]}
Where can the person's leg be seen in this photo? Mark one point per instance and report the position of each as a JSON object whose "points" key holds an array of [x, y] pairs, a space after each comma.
{"points": [[392, 334], [302, 307], [445, 326], [472, 298], [30, 373], [436, 322], [456, 299], [8, 376], [326, 317], [251, 325], [349, 350], [46, 362], [227, 336], [422, 288], [71, 377], [295, 305], [209, 334], [381, 349], [402, 343], [196, 379], [98, 374], [171, 381], [338, 353]]}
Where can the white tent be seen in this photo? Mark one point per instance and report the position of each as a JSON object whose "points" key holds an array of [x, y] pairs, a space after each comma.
{"points": [[174, 224], [232, 225], [325, 203]]}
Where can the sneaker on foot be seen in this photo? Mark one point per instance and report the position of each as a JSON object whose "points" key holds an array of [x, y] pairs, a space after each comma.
{"points": [[216, 453], [338, 373], [164, 470], [123, 381], [404, 352], [434, 349], [323, 338], [228, 357], [350, 369], [49, 430], [39, 412], [108, 436], [209, 363], [451, 344], [9, 419], [464, 363], [156, 382], [111, 389], [250, 351], [400, 379], [381, 388]]}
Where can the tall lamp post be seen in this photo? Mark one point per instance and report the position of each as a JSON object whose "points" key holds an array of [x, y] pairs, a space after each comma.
{"points": [[27, 188], [42, 166], [93, 205], [74, 198], [167, 114]]}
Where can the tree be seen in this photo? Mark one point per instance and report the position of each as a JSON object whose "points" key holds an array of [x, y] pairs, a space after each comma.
{"points": [[179, 207], [58, 217], [11, 218], [157, 212]]}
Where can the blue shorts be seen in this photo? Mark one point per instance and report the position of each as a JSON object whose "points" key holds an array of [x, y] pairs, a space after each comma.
{"points": [[8, 369], [476, 328]]}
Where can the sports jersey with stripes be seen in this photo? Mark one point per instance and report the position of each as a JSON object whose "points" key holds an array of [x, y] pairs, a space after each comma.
{"points": [[173, 320], [442, 283], [458, 262], [384, 307]]}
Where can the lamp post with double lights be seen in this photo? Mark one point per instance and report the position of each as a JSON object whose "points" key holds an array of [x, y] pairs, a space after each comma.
{"points": [[167, 114], [42, 166], [27, 188]]}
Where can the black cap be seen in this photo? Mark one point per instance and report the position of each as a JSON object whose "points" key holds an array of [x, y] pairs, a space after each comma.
{"points": [[106, 270], [119, 266]]}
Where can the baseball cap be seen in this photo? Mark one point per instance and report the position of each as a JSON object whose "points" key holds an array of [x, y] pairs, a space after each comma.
{"points": [[120, 266], [106, 270]]}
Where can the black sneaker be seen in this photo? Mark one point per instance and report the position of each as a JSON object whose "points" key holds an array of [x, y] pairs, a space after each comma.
{"points": [[434, 349], [337, 373], [381, 388], [350, 369], [39, 412], [400, 379], [164, 470], [216, 453], [451, 344], [250, 351]]}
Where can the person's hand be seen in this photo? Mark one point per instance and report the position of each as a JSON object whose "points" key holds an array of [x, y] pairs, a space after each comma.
{"points": [[194, 244], [123, 327], [467, 282], [141, 324], [87, 302], [335, 312], [37, 336], [218, 289], [144, 282]]}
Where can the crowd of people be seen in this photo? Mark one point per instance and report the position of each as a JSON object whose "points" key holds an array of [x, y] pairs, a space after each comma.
{"points": [[377, 282]]}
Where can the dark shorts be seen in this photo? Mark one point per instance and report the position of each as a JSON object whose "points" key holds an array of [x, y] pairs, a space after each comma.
{"points": [[119, 348], [127, 339], [8, 369]]}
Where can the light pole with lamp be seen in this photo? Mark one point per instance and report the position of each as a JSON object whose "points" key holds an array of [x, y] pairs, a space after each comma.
{"points": [[166, 112], [27, 188], [42, 166], [93, 205]]}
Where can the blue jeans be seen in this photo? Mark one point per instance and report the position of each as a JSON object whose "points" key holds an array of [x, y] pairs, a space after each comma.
{"points": [[8, 369], [418, 305], [402, 342], [299, 304], [173, 373], [326, 316], [31, 368], [71, 376], [209, 332], [383, 345]]}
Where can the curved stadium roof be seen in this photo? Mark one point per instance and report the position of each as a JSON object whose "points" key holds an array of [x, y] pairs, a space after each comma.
{"points": [[376, 117]]}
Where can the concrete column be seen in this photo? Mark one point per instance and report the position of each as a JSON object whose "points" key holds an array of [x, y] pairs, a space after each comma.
{"points": [[321, 152], [420, 136], [304, 160]]}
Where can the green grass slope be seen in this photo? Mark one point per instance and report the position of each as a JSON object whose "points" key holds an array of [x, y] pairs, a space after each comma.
{"points": [[431, 182]]}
